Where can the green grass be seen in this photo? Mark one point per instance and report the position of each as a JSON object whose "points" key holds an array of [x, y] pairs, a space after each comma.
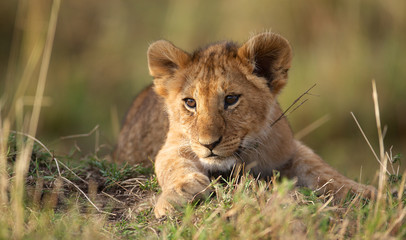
{"points": [[243, 209]]}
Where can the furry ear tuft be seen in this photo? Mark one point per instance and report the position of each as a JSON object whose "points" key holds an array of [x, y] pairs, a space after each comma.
{"points": [[164, 59], [270, 56]]}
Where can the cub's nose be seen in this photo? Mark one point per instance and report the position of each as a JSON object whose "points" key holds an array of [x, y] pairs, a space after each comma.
{"points": [[212, 145]]}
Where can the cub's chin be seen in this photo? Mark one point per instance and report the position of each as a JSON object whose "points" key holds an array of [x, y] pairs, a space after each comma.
{"points": [[217, 163]]}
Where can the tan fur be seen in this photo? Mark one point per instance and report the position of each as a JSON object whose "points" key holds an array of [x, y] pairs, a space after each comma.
{"points": [[242, 133]]}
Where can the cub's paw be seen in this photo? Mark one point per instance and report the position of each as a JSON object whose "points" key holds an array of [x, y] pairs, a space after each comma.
{"points": [[369, 192], [365, 191], [185, 189], [162, 207], [192, 186]]}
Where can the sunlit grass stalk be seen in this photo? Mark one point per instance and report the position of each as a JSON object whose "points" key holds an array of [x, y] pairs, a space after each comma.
{"points": [[23, 158], [18, 101], [15, 45], [4, 132], [383, 158]]}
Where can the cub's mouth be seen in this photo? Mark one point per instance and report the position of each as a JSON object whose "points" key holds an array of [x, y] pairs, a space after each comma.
{"points": [[215, 156], [218, 155], [218, 163], [212, 155], [221, 156], [215, 162]]}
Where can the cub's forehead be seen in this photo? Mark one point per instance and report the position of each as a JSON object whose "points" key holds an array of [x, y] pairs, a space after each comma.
{"points": [[215, 59], [214, 67], [226, 49]]}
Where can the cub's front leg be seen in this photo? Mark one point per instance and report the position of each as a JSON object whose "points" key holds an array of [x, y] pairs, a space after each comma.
{"points": [[181, 179], [316, 174]]}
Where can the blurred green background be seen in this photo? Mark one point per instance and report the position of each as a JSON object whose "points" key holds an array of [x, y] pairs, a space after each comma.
{"points": [[99, 63]]}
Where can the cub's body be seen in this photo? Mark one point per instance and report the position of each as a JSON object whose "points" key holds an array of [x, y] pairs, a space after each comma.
{"points": [[144, 130], [214, 109]]}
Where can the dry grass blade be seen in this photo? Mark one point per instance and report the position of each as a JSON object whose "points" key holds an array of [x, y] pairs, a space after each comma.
{"points": [[60, 174], [4, 132], [390, 157], [401, 190], [19, 98], [341, 234], [15, 44], [313, 126], [366, 139], [57, 162], [22, 162], [44, 67], [397, 222], [112, 197], [384, 160], [88, 199], [324, 205]]}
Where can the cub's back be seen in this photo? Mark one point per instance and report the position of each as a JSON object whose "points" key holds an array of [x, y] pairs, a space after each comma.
{"points": [[144, 130]]}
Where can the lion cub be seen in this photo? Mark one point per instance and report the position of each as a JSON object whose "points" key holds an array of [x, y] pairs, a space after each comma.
{"points": [[215, 108]]}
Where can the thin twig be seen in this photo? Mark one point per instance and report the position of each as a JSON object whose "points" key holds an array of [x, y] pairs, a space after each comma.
{"points": [[57, 162], [60, 175], [297, 106], [81, 135], [115, 199], [88, 199], [294, 102], [366, 139], [94, 130]]}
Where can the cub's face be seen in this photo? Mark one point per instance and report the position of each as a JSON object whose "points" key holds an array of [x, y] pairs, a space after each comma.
{"points": [[221, 96], [218, 106]]}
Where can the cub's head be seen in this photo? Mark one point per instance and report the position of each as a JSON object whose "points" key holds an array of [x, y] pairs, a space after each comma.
{"points": [[222, 96]]}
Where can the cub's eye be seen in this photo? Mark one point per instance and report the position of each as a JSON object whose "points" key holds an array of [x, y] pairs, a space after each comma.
{"points": [[190, 102], [231, 100]]}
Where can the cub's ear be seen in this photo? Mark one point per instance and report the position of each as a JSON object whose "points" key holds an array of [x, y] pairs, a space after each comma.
{"points": [[270, 56], [164, 59]]}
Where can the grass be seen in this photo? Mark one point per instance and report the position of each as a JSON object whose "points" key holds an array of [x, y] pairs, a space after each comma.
{"points": [[244, 208], [85, 196]]}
